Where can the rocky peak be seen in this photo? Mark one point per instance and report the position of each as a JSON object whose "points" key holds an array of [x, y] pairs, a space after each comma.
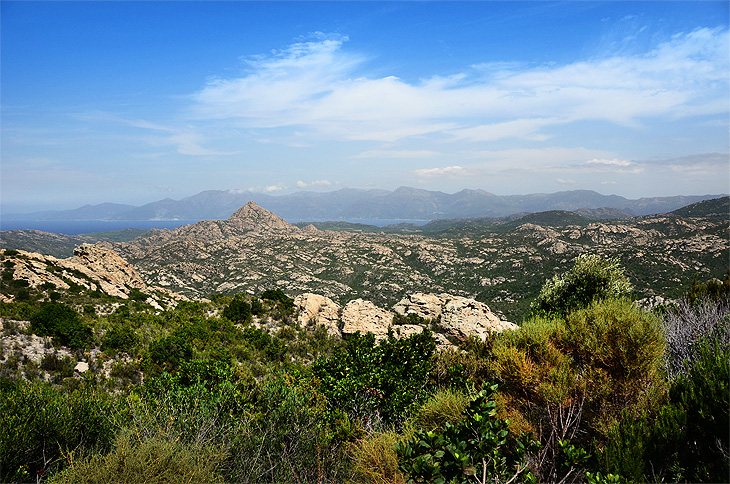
{"points": [[253, 217]]}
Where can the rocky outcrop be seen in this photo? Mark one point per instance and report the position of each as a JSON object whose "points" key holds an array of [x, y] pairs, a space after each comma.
{"points": [[462, 317], [115, 276], [458, 316], [315, 310], [427, 306], [366, 317], [92, 267]]}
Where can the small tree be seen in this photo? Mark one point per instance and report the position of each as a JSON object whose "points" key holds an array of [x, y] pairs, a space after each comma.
{"points": [[591, 278]]}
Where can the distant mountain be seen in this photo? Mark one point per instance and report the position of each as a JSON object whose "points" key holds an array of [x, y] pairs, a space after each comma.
{"points": [[351, 204], [715, 208]]}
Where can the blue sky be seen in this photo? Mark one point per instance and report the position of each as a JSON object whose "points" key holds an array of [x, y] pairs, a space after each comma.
{"points": [[131, 102]]}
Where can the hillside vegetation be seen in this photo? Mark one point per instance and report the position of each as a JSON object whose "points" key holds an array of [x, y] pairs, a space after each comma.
{"points": [[144, 386]]}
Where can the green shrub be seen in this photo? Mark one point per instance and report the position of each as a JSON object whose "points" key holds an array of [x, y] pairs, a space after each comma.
{"points": [[713, 289], [620, 339], [20, 311], [377, 384], [61, 322], [685, 439], [444, 406], [238, 311], [478, 448], [38, 423], [288, 438], [591, 278], [149, 460], [166, 354], [120, 337]]}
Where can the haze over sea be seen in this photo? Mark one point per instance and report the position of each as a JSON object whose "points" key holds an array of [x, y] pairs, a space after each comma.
{"points": [[76, 227]]}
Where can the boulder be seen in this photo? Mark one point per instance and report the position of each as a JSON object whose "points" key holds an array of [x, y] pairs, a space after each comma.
{"points": [[366, 317], [458, 316], [315, 310]]}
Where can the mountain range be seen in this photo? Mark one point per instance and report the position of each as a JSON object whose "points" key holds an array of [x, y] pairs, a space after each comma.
{"points": [[354, 204]]}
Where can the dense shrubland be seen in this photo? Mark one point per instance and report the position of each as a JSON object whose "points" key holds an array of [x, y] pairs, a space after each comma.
{"points": [[590, 388]]}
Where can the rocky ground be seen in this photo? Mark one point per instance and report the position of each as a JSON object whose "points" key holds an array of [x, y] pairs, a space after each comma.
{"points": [[504, 267], [501, 264]]}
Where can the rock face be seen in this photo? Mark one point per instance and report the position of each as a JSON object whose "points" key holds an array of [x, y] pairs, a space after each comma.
{"points": [[112, 273], [315, 310], [92, 267], [459, 316], [366, 317]]}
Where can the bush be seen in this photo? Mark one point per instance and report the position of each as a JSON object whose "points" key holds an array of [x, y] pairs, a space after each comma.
{"points": [[167, 354], [478, 448], [686, 325], [569, 378], [238, 311], [120, 337], [287, 438], [38, 423], [377, 384], [621, 340], [61, 322], [686, 439], [444, 406], [591, 278], [149, 460]]}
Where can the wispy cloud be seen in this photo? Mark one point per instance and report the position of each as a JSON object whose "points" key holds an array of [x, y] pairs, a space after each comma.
{"points": [[315, 86], [439, 172], [316, 184], [399, 154]]}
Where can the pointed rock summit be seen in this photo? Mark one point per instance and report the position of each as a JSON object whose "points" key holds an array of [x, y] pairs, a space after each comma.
{"points": [[253, 217]]}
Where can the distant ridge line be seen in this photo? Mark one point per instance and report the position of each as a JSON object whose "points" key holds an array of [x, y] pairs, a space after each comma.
{"points": [[351, 204]]}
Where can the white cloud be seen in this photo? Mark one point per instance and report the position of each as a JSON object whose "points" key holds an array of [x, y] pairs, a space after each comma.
{"points": [[438, 172], [314, 87], [564, 181], [276, 188], [316, 183], [613, 162]]}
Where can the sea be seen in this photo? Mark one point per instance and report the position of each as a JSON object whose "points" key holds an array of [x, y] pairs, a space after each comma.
{"points": [[76, 227]]}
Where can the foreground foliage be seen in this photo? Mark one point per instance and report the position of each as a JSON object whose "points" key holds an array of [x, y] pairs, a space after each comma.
{"points": [[592, 389]]}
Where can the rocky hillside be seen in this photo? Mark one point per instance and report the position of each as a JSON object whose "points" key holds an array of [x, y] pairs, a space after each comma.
{"points": [[91, 268], [501, 262]]}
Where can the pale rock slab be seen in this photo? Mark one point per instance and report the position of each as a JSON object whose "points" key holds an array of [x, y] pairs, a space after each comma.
{"points": [[315, 310], [366, 317]]}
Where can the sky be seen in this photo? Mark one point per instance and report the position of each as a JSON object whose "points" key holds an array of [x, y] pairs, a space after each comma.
{"points": [[133, 102]]}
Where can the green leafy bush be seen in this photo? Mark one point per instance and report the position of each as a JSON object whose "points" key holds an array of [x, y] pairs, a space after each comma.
{"points": [[685, 439], [377, 384], [166, 354], [288, 438], [238, 311], [120, 337], [38, 423], [591, 278], [478, 448], [61, 322]]}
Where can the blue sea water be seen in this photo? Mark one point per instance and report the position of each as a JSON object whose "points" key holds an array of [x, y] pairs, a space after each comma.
{"points": [[75, 227]]}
